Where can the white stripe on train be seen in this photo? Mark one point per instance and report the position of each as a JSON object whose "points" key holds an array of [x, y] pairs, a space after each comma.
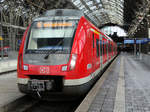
{"points": [[72, 82]]}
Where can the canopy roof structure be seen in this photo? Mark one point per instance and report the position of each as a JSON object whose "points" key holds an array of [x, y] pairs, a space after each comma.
{"points": [[102, 11], [128, 14]]}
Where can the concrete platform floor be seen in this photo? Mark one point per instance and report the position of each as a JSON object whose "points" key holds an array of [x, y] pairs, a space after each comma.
{"points": [[8, 89], [126, 88], [8, 65]]}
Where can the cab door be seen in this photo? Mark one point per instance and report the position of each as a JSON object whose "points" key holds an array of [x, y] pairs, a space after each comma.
{"points": [[104, 50], [96, 51]]}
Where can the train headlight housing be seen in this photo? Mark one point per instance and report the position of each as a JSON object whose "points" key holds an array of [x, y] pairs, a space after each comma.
{"points": [[73, 61], [64, 68], [25, 67]]}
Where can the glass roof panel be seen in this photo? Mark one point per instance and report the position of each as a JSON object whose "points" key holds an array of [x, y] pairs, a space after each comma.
{"points": [[109, 10], [93, 7], [90, 3], [76, 2], [100, 5], [97, 1]]}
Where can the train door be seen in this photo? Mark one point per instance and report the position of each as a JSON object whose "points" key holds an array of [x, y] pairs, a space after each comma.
{"points": [[110, 49], [107, 50], [104, 50], [101, 50], [109, 53], [96, 53]]}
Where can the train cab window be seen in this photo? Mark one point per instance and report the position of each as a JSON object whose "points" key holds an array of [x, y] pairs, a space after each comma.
{"points": [[52, 35], [97, 47]]}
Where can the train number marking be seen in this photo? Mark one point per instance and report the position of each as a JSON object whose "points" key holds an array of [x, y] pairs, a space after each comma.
{"points": [[44, 70]]}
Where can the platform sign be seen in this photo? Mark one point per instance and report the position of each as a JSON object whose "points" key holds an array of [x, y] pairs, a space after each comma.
{"points": [[129, 41], [19, 42], [1, 38], [138, 41], [145, 40]]}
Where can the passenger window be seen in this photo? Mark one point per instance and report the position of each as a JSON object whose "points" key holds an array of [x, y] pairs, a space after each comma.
{"points": [[97, 47], [107, 50], [110, 47], [101, 48], [114, 49], [93, 40]]}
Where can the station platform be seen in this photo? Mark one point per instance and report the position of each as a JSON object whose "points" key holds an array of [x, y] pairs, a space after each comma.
{"points": [[124, 87], [7, 65], [8, 90]]}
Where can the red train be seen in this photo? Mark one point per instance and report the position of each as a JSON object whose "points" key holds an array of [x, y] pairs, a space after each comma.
{"points": [[5, 49], [62, 53]]}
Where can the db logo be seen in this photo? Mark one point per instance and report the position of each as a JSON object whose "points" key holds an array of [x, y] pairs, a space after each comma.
{"points": [[44, 70]]}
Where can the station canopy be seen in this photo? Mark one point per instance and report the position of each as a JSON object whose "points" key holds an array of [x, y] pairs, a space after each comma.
{"points": [[102, 11], [129, 14]]}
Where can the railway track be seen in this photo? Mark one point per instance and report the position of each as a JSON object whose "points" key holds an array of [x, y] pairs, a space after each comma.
{"points": [[59, 106], [28, 104]]}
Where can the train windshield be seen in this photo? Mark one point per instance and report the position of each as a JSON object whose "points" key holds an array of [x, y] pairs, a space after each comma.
{"points": [[52, 35]]}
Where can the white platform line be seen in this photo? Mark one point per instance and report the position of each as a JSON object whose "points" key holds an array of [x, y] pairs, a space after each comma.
{"points": [[120, 94]]}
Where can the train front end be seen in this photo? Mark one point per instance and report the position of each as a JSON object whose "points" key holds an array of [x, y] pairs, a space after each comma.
{"points": [[46, 63]]}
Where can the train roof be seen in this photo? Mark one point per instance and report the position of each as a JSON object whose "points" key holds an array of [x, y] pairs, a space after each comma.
{"points": [[59, 14], [64, 12]]}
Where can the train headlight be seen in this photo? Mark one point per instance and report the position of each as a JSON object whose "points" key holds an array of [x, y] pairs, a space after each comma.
{"points": [[25, 67], [64, 68], [73, 61]]}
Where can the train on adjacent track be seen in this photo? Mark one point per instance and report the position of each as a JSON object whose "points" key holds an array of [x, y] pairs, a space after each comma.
{"points": [[62, 53]]}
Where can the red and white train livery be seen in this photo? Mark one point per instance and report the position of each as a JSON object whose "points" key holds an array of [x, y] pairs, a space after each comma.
{"points": [[62, 53]]}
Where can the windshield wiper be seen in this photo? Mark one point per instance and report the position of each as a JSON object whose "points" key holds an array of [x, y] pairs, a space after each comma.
{"points": [[47, 55]]}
